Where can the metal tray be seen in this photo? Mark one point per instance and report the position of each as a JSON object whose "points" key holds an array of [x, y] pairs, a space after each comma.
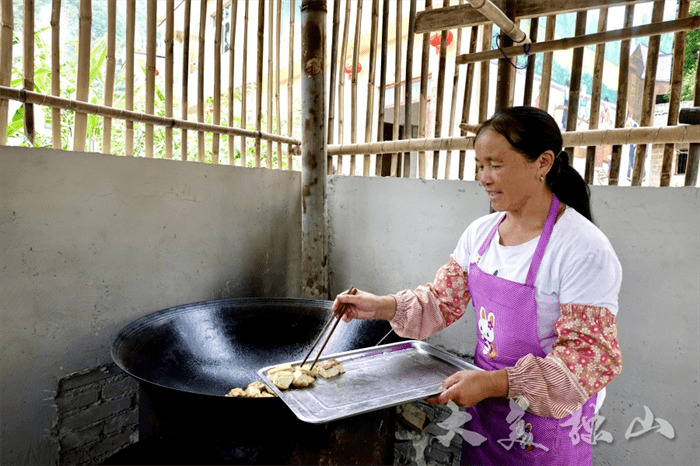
{"points": [[375, 378]]}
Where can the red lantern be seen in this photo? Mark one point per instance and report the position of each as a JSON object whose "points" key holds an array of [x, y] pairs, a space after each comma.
{"points": [[348, 69], [436, 40]]}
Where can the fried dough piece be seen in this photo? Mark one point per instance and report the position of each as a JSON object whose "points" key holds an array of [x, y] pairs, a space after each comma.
{"points": [[254, 390], [281, 379], [330, 368], [237, 393], [306, 368], [264, 389], [302, 378]]}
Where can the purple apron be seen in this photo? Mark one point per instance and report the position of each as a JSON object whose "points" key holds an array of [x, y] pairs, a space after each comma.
{"points": [[506, 313]]}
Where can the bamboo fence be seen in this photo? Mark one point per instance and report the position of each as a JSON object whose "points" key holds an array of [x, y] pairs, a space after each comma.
{"points": [[403, 37]]}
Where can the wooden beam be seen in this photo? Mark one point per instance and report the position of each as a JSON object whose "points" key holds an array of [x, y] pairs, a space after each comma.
{"points": [[465, 15], [626, 33], [648, 92], [621, 105], [675, 94], [681, 134], [7, 24], [22, 95]]}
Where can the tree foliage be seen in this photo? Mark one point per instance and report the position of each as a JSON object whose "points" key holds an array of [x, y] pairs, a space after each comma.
{"points": [[95, 124], [692, 44]]}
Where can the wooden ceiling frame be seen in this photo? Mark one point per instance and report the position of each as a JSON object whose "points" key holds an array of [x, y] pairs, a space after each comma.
{"points": [[465, 15], [646, 30]]}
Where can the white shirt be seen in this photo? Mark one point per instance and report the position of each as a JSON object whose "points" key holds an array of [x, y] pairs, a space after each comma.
{"points": [[579, 266]]}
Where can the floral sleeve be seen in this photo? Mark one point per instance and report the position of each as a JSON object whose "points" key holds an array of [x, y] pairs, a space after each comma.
{"points": [[432, 307], [584, 359]]}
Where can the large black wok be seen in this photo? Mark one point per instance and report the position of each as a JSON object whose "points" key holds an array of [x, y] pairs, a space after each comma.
{"points": [[187, 357]]}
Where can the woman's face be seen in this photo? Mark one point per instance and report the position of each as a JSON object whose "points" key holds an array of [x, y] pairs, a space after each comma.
{"points": [[509, 179]]}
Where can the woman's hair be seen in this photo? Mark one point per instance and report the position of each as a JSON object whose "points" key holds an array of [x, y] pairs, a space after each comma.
{"points": [[531, 131]]}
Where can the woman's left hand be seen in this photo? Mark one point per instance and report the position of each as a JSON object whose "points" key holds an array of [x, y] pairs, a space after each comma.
{"points": [[467, 388]]}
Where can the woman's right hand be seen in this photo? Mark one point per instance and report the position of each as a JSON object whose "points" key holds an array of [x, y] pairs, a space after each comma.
{"points": [[364, 305]]}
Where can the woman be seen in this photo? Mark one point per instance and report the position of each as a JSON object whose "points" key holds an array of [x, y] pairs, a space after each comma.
{"points": [[544, 283]]}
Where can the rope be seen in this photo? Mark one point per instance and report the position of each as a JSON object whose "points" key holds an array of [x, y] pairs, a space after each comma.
{"points": [[526, 51]]}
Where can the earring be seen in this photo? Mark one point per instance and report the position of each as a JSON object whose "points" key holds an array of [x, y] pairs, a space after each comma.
{"points": [[542, 179]]}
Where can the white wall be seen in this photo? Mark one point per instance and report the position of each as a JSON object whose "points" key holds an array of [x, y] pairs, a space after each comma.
{"points": [[90, 242], [390, 234]]}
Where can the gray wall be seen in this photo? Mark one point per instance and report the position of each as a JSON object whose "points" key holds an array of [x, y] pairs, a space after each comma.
{"points": [[389, 234], [90, 242]]}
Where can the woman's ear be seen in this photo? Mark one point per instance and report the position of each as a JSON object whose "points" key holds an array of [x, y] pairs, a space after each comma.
{"points": [[545, 162]]}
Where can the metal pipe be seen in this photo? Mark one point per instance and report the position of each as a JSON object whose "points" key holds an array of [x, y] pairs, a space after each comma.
{"points": [[313, 151]]}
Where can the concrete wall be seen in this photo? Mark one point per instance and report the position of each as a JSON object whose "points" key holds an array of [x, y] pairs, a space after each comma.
{"points": [[389, 234], [90, 242]]}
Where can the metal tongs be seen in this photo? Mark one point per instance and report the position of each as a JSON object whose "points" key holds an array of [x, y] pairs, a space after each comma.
{"points": [[338, 315]]}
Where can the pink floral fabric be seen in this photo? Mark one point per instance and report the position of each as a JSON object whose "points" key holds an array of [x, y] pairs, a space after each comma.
{"points": [[587, 344], [584, 359], [434, 306]]}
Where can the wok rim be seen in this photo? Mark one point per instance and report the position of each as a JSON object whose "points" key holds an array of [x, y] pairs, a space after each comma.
{"points": [[166, 314]]}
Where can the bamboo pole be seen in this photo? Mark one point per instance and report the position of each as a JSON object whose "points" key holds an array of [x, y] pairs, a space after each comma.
{"points": [[626, 33], [379, 162], [484, 79], [151, 12], [334, 74], [530, 72], [486, 32], [680, 134], [185, 76], [439, 99], [407, 123], [259, 78], [513, 74], [200, 78], [231, 81], [505, 70], [341, 82], [169, 49], [546, 82], [277, 82], [502, 20], [28, 67], [82, 86], [621, 104], [424, 70], [353, 82], [23, 96], [270, 79], [216, 115], [7, 23], [675, 97], [290, 84], [599, 63], [575, 82], [403, 145], [453, 103], [466, 104], [397, 89], [370, 83], [56, 140], [641, 135], [691, 173], [129, 74], [244, 86], [657, 14]]}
